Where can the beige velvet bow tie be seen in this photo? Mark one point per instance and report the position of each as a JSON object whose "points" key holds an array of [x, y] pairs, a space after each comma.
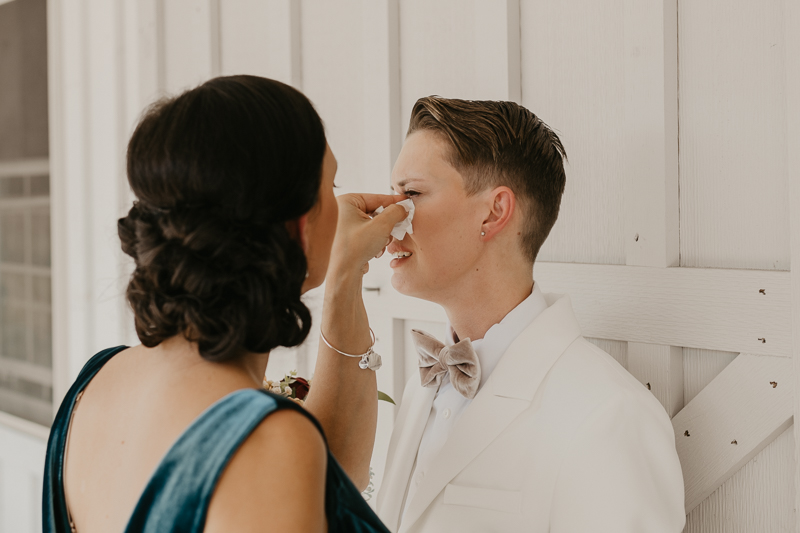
{"points": [[459, 360]]}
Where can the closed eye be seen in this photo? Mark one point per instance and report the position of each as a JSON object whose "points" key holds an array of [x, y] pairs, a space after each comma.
{"points": [[410, 193]]}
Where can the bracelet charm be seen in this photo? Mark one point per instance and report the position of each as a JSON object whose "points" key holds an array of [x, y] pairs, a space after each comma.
{"points": [[369, 360]]}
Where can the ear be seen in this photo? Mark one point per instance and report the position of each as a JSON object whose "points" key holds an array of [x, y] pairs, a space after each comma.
{"points": [[298, 230], [503, 204]]}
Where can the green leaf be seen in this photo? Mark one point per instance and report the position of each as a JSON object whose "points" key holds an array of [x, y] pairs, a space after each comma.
{"points": [[385, 397]]}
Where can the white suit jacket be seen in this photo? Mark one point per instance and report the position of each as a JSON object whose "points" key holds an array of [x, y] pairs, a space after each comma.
{"points": [[560, 439]]}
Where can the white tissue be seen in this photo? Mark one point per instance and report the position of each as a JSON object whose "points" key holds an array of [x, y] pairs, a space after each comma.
{"points": [[401, 228]]}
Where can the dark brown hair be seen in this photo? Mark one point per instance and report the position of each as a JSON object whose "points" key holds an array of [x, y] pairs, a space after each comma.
{"points": [[497, 143], [217, 172]]}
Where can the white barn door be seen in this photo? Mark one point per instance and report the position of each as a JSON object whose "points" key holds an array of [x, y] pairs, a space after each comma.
{"points": [[675, 253], [673, 239]]}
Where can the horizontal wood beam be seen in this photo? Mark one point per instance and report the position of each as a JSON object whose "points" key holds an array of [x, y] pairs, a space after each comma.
{"points": [[713, 309], [37, 166], [31, 429], [732, 419]]}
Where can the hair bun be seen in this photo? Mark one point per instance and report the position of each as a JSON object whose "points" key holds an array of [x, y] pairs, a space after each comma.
{"points": [[223, 284]]}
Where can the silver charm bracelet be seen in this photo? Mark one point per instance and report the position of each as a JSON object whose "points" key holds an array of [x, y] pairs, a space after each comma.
{"points": [[371, 359]]}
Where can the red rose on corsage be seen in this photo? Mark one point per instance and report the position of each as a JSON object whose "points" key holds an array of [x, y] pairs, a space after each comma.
{"points": [[296, 388], [300, 388]]}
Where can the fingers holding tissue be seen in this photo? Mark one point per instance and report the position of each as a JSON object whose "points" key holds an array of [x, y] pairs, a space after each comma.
{"points": [[404, 226], [361, 237]]}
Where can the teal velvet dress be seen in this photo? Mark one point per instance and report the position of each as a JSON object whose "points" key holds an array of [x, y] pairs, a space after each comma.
{"points": [[177, 496]]}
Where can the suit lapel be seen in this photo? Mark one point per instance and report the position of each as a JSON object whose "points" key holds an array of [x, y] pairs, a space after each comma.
{"points": [[407, 434], [508, 392], [491, 414]]}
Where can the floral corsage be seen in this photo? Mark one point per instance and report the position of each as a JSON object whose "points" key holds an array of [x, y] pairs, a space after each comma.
{"points": [[292, 387]]}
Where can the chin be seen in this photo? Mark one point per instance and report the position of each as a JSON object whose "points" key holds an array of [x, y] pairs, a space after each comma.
{"points": [[401, 284], [407, 287]]}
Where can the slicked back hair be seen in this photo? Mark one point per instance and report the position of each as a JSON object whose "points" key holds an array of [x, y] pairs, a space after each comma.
{"points": [[496, 143]]}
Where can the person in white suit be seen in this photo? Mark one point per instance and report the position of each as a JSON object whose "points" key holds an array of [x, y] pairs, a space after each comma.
{"points": [[516, 422]]}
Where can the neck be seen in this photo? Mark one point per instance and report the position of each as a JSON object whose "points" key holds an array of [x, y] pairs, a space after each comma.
{"points": [[486, 299], [247, 369]]}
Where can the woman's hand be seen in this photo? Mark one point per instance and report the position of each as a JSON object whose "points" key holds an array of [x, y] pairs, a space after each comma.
{"points": [[359, 238]]}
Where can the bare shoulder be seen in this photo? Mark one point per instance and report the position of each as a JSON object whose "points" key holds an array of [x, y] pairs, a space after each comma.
{"points": [[275, 481]]}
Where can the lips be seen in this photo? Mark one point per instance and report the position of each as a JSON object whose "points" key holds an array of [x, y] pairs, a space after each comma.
{"points": [[397, 251], [399, 255]]}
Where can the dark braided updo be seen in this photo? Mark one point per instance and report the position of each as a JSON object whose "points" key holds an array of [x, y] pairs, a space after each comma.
{"points": [[218, 171]]}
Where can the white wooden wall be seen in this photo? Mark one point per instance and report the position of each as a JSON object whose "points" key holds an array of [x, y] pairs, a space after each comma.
{"points": [[678, 118]]}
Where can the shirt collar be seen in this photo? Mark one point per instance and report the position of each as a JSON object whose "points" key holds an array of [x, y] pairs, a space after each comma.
{"points": [[498, 338]]}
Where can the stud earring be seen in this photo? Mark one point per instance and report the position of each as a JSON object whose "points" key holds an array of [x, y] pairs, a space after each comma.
{"points": [[483, 234]]}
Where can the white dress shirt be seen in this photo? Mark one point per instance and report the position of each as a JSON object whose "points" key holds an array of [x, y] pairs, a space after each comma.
{"points": [[449, 404]]}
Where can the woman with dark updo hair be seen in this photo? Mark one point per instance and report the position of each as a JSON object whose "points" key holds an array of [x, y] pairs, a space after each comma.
{"points": [[235, 218]]}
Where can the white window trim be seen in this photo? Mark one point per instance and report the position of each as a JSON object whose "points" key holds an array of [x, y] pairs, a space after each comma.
{"points": [[24, 426]]}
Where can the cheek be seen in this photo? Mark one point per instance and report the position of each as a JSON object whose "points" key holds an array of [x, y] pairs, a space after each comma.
{"points": [[441, 235]]}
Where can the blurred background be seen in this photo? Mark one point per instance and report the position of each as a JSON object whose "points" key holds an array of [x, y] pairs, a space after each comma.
{"points": [[681, 119]]}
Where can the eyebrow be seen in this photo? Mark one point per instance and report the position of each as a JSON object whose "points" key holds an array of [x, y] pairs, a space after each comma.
{"points": [[404, 182]]}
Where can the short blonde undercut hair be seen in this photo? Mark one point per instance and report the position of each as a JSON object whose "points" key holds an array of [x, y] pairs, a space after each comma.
{"points": [[496, 143]]}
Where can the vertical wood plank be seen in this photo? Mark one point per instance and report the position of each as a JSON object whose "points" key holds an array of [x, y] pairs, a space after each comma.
{"points": [[261, 38], [244, 40], [73, 318], [660, 369], [381, 53], [497, 50], [334, 79], [651, 172], [142, 82], [285, 28], [792, 36], [106, 146], [437, 51], [573, 78], [191, 42], [734, 188], [144, 56], [102, 72], [651, 133]]}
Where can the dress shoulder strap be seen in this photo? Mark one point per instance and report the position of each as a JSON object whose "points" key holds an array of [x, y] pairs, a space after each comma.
{"points": [[177, 496], [54, 507]]}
